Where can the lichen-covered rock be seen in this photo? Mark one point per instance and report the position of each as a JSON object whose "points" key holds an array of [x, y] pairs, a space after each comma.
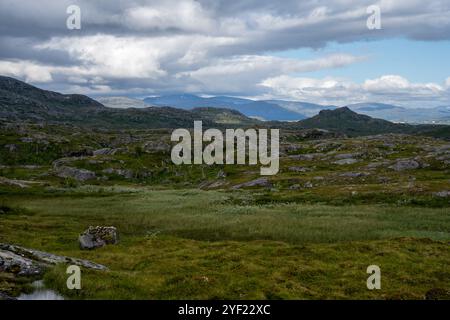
{"points": [[346, 156], [33, 261], [125, 173], [307, 156], [345, 161], [75, 173], [96, 237], [405, 164], [17, 264], [261, 182], [442, 194], [353, 174], [298, 169], [157, 146]]}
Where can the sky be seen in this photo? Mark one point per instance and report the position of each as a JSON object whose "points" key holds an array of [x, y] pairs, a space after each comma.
{"points": [[311, 50]]}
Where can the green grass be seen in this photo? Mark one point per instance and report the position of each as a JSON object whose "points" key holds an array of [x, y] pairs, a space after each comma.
{"points": [[190, 244]]}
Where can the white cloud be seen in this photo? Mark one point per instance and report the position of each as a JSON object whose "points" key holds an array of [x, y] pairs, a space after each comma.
{"points": [[386, 83], [26, 70], [388, 89], [110, 56], [184, 15], [243, 73], [447, 83]]}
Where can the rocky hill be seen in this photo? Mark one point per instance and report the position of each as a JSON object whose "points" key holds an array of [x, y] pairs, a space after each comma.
{"points": [[353, 124]]}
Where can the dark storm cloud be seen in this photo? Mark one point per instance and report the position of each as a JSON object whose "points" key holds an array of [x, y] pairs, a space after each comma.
{"points": [[156, 46]]}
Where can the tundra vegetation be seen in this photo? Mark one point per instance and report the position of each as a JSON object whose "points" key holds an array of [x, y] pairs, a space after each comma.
{"points": [[341, 201], [223, 231]]}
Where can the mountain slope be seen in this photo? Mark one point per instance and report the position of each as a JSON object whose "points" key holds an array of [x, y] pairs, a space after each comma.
{"points": [[351, 123], [305, 108], [20, 101], [122, 103], [224, 116], [250, 108]]}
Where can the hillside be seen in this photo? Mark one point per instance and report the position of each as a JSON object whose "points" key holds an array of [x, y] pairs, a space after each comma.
{"points": [[122, 102], [354, 124], [256, 109], [224, 116], [21, 102], [351, 123]]}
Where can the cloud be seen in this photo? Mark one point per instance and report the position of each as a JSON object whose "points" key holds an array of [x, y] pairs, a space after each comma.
{"points": [[186, 15], [26, 70], [386, 89], [243, 73], [207, 46]]}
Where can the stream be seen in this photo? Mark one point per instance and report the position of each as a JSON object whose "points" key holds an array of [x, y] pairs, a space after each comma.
{"points": [[40, 293]]}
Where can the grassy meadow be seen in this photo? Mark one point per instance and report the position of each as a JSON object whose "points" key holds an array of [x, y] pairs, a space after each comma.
{"points": [[193, 244]]}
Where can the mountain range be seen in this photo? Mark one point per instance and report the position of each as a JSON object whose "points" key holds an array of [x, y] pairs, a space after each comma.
{"points": [[261, 110], [283, 110], [21, 102]]}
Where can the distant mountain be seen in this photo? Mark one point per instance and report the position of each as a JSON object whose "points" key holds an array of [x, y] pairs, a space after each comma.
{"points": [[353, 124], [282, 110], [376, 110], [21, 102], [122, 102], [305, 108], [400, 114], [250, 108]]}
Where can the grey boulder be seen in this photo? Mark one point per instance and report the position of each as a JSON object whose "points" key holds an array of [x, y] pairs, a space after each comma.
{"points": [[405, 164], [77, 174], [96, 237]]}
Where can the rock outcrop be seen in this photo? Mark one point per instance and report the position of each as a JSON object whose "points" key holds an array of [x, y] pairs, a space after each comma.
{"points": [[405, 164], [28, 262], [75, 173], [96, 237], [345, 161], [261, 182]]}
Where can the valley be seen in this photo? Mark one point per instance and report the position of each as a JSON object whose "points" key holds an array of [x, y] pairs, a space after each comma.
{"points": [[351, 191]]}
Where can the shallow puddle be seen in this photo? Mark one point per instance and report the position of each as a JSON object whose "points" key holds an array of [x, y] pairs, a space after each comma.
{"points": [[40, 293]]}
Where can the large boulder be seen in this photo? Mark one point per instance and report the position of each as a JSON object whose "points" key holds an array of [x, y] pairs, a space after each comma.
{"points": [[96, 237]]}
